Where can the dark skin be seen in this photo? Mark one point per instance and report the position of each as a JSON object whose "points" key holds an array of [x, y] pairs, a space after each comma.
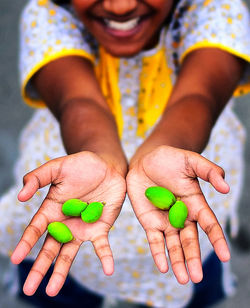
{"points": [[90, 137], [79, 109], [199, 97], [153, 12]]}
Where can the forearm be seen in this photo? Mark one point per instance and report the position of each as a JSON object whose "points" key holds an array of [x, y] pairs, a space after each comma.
{"points": [[69, 88], [86, 126], [183, 129], [198, 98]]}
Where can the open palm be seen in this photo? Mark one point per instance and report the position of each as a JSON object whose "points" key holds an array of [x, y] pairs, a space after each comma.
{"points": [[177, 170], [84, 176]]}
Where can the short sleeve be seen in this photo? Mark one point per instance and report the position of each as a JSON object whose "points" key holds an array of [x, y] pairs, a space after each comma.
{"points": [[48, 32], [223, 24]]}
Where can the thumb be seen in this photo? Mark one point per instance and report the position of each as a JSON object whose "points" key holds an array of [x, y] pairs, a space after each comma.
{"points": [[38, 178], [209, 172]]}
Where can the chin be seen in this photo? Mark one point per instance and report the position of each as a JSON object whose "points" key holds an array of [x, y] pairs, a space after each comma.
{"points": [[123, 51]]}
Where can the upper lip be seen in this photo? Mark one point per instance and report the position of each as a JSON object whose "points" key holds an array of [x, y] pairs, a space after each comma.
{"points": [[117, 18], [121, 18], [98, 12]]}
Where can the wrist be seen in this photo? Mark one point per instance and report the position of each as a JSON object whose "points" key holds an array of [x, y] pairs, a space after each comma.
{"points": [[186, 125], [86, 126], [117, 162]]}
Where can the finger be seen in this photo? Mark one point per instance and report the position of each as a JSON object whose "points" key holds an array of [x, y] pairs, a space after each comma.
{"points": [[62, 266], [31, 235], [210, 172], [210, 225], [176, 256], [38, 178], [43, 262], [200, 211], [190, 245], [157, 246], [104, 253]]}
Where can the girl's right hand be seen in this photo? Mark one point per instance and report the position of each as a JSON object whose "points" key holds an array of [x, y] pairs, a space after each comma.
{"points": [[83, 176]]}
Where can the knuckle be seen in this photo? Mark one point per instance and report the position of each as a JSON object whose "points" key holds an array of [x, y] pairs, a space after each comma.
{"points": [[37, 271], [65, 258], [27, 243], [176, 263], [31, 176], [188, 242], [158, 253], [221, 238], [171, 233], [210, 228], [101, 246], [36, 232], [63, 277], [175, 249], [105, 255], [154, 237], [190, 259], [38, 181], [100, 240], [155, 243], [48, 254], [103, 250]]}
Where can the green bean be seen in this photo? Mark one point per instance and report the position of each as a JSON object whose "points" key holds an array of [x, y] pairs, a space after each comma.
{"points": [[60, 232], [160, 197], [178, 214], [74, 207], [93, 212]]}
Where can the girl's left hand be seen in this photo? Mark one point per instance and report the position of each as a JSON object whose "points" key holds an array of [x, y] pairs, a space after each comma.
{"points": [[177, 170]]}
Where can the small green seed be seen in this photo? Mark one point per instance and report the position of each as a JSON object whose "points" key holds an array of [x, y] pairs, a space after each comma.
{"points": [[93, 212], [60, 232], [74, 207], [160, 197], [178, 214]]}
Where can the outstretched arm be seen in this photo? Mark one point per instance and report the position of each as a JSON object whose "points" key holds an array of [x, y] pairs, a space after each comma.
{"points": [[167, 158], [206, 81], [94, 170], [71, 91]]}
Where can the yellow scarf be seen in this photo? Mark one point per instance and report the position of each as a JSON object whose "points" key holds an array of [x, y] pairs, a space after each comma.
{"points": [[155, 87]]}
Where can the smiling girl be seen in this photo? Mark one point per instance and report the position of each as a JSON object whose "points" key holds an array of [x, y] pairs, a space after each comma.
{"points": [[136, 85], [124, 29]]}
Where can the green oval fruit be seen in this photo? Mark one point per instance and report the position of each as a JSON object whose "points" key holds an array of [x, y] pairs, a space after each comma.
{"points": [[160, 197], [60, 232], [74, 207], [178, 214], [93, 212]]}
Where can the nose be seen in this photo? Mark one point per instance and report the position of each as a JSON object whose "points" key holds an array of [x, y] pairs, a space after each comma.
{"points": [[119, 7]]}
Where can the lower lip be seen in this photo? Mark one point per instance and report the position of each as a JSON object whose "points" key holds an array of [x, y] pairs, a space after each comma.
{"points": [[125, 33]]}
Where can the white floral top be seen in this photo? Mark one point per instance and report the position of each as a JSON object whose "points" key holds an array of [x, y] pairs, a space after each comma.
{"points": [[49, 32]]}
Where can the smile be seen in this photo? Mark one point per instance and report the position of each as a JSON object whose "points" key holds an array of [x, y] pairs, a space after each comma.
{"points": [[122, 26]]}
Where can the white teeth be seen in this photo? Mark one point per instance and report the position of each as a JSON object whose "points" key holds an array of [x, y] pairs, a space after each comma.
{"points": [[123, 26]]}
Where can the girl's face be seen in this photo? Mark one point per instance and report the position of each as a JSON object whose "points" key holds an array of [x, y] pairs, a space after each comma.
{"points": [[124, 27]]}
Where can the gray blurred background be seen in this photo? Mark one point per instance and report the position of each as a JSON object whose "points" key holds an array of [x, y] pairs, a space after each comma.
{"points": [[14, 114]]}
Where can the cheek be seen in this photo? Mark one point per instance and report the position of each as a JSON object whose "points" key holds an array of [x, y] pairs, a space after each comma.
{"points": [[159, 3], [81, 6], [163, 7]]}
